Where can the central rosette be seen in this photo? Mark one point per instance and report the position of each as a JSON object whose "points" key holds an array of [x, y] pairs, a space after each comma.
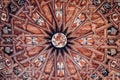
{"points": [[59, 40]]}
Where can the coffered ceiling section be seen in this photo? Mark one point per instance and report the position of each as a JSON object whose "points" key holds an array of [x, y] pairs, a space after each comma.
{"points": [[59, 40]]}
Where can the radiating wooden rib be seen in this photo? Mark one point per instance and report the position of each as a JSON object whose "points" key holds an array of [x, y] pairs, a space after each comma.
{"points": [[70, 51], [105, 20], [43, 67], [22, 51], [24, 70], [3, 45], [41, 13], [98, 52], [30, 45], [77, 66], [114, 37], [67, 67], [39, 6], [76, 13], [53, 14], [98, 62], [85, 35], [25, 45], [17, 53], [117, 12], [40, 53], [99, 6], [28, 18], [15, 27], [51, 73], [15, 4], [77, 69], [63, 14], [35, 35], [104, 27], [4, 77], [78, 73], [66, 71], [97, 30], [90, 32], [79, 27], [22, 30], [28, 22], [39, 68], [44, 18], [109, 47], [94, 21], [53, 6], [87, 19], [8, 35], [18, 63], [68, 4], [24, 61], [55, 64]]}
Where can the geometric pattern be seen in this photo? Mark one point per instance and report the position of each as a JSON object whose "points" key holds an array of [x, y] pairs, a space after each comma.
{"points": [[59, 40]]}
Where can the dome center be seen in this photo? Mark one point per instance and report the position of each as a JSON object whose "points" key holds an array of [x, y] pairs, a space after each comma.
{"points": [[59, 40]]}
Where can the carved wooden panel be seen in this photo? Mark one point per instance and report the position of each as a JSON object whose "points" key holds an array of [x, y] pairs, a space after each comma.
{"points": [[59, 40]]}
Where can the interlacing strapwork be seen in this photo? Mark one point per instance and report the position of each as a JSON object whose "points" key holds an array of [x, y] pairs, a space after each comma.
{"points": [[59, 40]]}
